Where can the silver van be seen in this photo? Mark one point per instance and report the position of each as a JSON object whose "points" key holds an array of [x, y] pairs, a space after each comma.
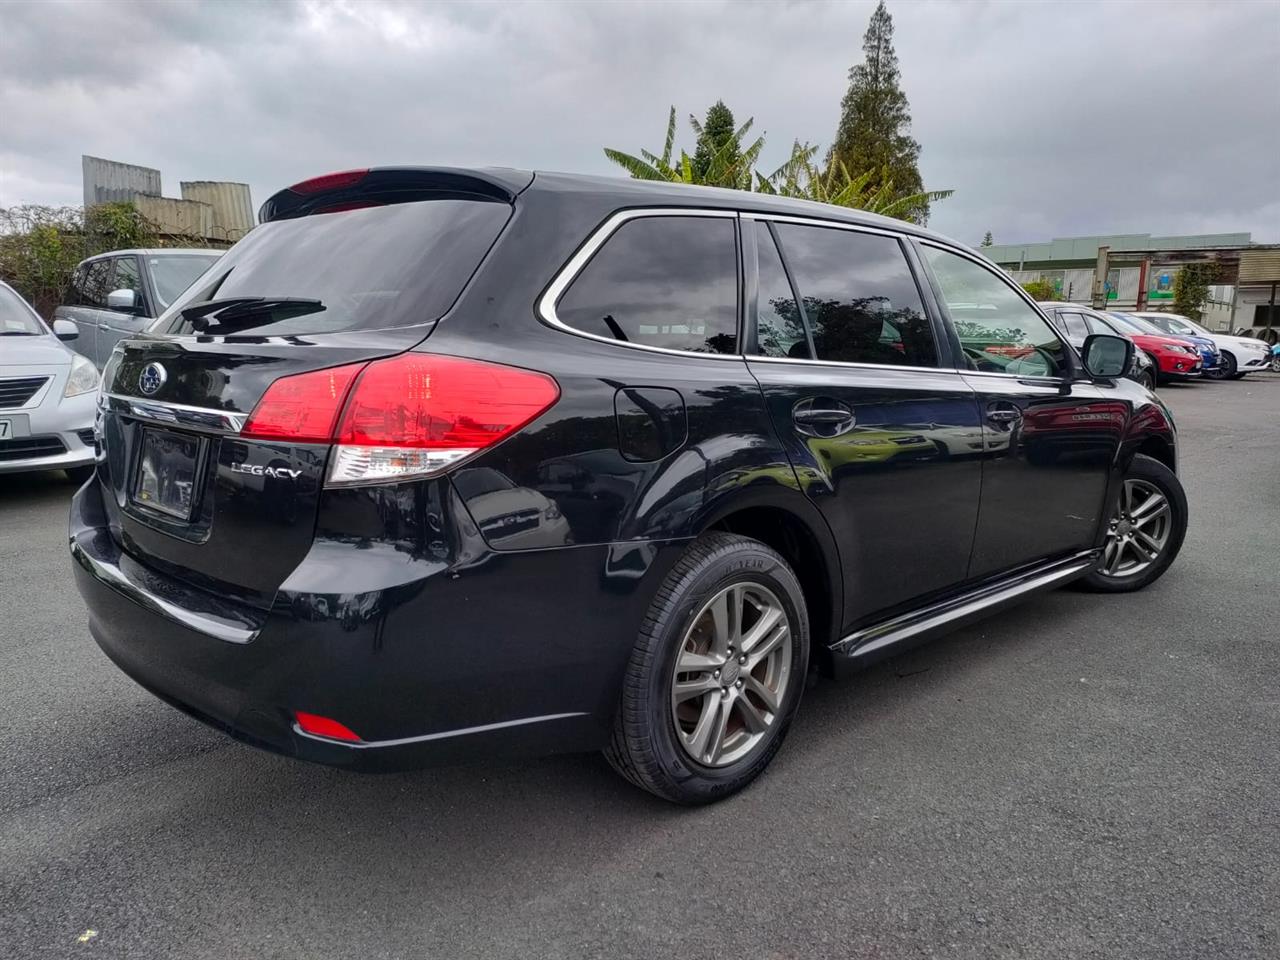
{"points": [[115, 295]]}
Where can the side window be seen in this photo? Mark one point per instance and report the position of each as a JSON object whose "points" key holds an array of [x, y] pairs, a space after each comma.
{"points": [[999, 331], [1075, 324], [75, 290], [128, 277], [779, 326], [859, 296], [97, 282], [663, 282], [1098, 325]]}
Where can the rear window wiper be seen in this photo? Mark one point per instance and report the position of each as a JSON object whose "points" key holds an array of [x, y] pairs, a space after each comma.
{"points": [[230, 313]]}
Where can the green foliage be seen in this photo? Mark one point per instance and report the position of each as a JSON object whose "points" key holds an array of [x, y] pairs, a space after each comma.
{"points": [[873, 190], [875, 121], [40, 246], [1039, 289], [718, 144], [987, 240], [728, 165], [1191, 288]]}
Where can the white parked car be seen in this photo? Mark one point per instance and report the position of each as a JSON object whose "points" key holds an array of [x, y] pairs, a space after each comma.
{"points": [[1240, 355], [48, 394]]}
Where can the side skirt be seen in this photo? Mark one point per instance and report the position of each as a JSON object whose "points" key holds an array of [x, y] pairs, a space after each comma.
{"points": [[871, 644]]}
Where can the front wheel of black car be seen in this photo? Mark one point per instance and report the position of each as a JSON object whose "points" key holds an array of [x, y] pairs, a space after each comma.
{"points": [[1145, 530], [716, 675]]}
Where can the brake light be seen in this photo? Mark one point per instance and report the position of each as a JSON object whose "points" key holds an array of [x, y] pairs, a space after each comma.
{"points": [[302, 408], [418, 414], [319, 726], [330, 181]]}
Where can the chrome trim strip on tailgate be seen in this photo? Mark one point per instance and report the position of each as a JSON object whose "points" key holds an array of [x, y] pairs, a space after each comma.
{"points": [[205, 419]]}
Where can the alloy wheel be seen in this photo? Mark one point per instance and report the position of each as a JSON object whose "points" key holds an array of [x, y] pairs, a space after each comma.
{"points": [[1139, 530], [731, 675]]}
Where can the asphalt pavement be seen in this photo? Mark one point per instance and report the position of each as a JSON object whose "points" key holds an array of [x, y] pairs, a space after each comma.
{"points": [[1082, 776]]}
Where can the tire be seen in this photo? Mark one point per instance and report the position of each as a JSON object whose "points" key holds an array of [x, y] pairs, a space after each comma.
{"points": [[1144, 474], [1155, 370], [650, 745], [78, 475], [1275, 364], [1225, 370], [1147, 379], [1238, 376]]}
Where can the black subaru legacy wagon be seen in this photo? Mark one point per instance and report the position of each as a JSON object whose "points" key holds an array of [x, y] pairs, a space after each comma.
{"points": [[441, 463]]}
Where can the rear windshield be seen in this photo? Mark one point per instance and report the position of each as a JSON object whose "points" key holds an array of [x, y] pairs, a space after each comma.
{"points": [[172, 275], [388, 266]]}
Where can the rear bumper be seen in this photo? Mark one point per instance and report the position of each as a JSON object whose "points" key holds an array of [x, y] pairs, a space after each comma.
{"points": [[438, 668]]}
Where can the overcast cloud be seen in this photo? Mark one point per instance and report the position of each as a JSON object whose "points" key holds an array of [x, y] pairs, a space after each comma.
{"points": [[1047, 119]]}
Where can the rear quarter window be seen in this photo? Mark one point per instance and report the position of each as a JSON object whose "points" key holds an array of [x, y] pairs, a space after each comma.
{"points": [[669, 282]]}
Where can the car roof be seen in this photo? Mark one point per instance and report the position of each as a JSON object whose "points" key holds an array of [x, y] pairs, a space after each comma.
{"points": [[625, 192], [155, 252]]}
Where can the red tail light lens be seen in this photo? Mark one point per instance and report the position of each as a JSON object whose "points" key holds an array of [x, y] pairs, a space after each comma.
{"points": [[330, 181], [319, 726], [408, 416], [417, 414], [302, 408]]}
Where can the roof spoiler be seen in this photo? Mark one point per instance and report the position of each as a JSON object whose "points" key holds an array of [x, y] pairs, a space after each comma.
{"points": [[351, 189]]}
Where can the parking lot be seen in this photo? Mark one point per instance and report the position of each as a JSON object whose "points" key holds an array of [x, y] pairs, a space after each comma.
{"points": [[1082, 776]]}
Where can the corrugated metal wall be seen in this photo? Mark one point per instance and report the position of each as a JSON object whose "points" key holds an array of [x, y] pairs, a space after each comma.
{"points": [[106, 181], [231, 203], [183, 217]]}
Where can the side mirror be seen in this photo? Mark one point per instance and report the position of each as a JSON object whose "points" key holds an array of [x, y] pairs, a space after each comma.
{"points": [[1105, 356], [126, 301], [65, 330]]}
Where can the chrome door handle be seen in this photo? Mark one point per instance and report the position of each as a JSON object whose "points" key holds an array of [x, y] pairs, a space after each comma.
{"points": [[817, 415], [822, 417], [1004, 414]]}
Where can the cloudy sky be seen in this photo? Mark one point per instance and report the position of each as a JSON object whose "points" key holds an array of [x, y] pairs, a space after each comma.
{"points": [[1048, 119]]}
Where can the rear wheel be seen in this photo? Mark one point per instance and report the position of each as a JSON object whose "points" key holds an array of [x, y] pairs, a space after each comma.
{"points": [[1145, 531], [716, 675]]}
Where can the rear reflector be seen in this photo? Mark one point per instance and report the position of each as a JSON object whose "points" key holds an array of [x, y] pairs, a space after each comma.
{"points": [[408, 416], [330, 181], [418, 414], [324, 727]]}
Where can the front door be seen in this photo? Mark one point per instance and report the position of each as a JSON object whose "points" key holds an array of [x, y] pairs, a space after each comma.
{"points": [[117, 325], [1051, 439], [884, 441]]}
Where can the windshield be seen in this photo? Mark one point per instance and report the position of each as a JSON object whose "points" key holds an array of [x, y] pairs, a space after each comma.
{"points": [[365, 269], [1137, 325], [1178, 326], [172, 275], [16, 318]]}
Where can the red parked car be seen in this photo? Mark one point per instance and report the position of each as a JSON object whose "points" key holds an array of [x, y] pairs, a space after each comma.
{"points": [[1175, 358]]}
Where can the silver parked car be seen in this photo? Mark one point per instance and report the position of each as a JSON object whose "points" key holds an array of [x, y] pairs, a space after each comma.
{"points": [[115, 295], [47, 394]]}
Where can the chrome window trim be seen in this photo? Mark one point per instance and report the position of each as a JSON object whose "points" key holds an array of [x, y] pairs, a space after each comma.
{"points": [[851, 364], [203, 419], [819, 222], [569, 272]]}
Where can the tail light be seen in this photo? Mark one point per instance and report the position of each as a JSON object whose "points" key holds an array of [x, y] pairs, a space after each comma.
{"points": [[409, 416], [330, 181]]}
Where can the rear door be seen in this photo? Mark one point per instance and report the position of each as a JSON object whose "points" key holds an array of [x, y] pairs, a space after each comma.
{"points": [[884, 437], [88, 292], [1051, 439]]}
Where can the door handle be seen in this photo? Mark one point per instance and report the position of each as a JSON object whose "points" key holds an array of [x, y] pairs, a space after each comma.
{"points": [[104, 326], [1004, 414], [822, 417]]}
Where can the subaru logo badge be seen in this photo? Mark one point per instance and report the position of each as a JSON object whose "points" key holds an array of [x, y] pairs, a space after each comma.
{"points": [[152, 378]]}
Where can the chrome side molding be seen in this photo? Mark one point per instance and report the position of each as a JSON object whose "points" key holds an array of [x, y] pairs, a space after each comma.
{"points": [[870, 643]]}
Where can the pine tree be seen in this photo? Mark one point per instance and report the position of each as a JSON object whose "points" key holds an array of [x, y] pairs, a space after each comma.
{"points": [[875, 119], [717, 135], [987, 240]]}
